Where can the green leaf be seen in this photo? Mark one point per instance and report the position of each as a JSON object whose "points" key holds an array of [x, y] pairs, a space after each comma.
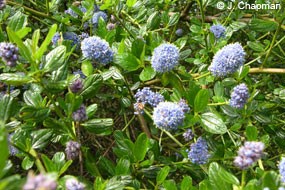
{"points": [[27, 163], [130, 3], [251, 133], [6, 105], [141, 146], [15, 79], [243, 71], [87, 68], [91, 110], [169, 185], [23, 32], [162, 174], [271, 180], [23, 49], [49, 165], [216, 180], [35, 41], [34, 114], [260, 25], [201, 100], [256, 46], [174, 19], [99, 126], [41, 138], [153, 21], [32, 98], [219, 89], [91, 84], [46, 42], [55, 58], [213, 123], [4, 153], [18, 21], [186, 183], [147, 73], [127, 61], [123, 167]]}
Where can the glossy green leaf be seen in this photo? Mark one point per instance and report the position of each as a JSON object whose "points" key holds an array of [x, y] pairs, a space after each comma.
{"points": [[55, 58], [41, 138], [6, 105], [15, 79], [18, 21], [32, 98], [201, 100], [213, 123], [27, 163], [162, 174], [186, 183], [127, 61], [99, 126], [147, 73], [91, 84], [4, 153], [141, 146], [123, 167]]}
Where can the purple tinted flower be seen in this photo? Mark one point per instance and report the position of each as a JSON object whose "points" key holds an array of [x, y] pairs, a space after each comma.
{"points": [[239, 96], [179, 32], [218, 30], [96, 16], [165, 57], [83, 35], [248, 154], [2, 4], [71, 36], [73, 184], [97, 49], [168, 116], [282, 169], [80, 114], [188, 135], [76, 86], [183, 104], [38, 182], [110, 26], [72, 150], [146, 96], [80, 73], [198, 153], [227, 60], [9, 53]]}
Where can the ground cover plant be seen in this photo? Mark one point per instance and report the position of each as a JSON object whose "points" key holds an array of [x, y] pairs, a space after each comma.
{"points": [[142, 94]]}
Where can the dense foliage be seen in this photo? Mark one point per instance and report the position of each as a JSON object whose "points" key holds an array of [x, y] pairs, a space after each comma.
{"points": [[141, 94]]}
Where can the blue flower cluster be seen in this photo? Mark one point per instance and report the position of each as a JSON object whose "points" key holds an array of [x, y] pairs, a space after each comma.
{"points": [[239, 96], [96, 16], [67, 36], [72, 150], [80, 114], [97, 49], [76, 86], [9, 53], [218, 30], [165, 57], [146, 96], [183, 104], [73, 184], [168, 116], [74, 14], [188, 135], [227, 60], [2, 4], [281, 167], [40, 181], [248, 154], [83, 35], [199, 153]]}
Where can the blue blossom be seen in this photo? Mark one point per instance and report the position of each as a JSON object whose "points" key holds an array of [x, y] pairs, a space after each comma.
{"points": [[40, 181], [282, 169], [227, 60], [76, 85], [80, 73], [165, 57], [83, 35], [146, 96], [97, 49], [248, 154], [239, 96], [74, 184], [75, 40], [74, 14], [218, 30], [80, 114], [188, 135], [198, 153], [168, 116], [2, 4], [183, 104], [96, 16], [9, 53], [72, 150], [179, 32]]}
